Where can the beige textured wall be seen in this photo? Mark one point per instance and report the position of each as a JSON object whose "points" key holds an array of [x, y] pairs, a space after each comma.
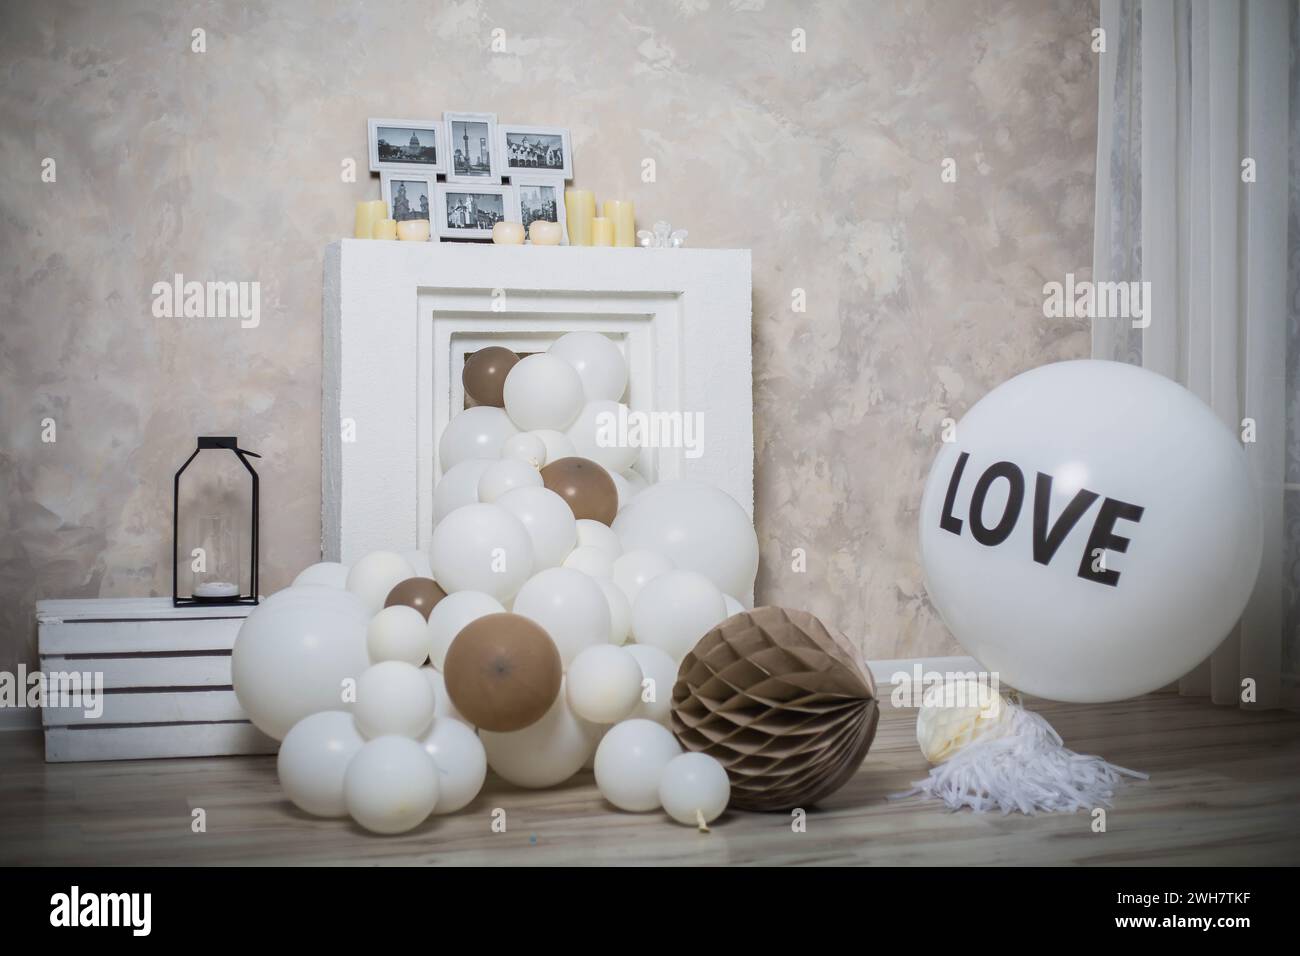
{"points": [[225, 165]]}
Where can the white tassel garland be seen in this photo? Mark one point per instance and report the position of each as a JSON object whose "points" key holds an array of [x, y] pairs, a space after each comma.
{"points": [[1027, 769]]}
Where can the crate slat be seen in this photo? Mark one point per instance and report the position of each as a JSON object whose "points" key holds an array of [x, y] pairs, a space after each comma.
{"points": [[162, 707], [131, 609], [125, 673], [75, 744], [115, 637]]}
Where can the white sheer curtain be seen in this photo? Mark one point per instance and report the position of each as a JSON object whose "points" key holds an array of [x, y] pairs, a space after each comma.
{"points": [[1196, 193]]}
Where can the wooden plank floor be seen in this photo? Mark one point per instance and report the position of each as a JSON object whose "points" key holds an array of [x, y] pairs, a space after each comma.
{"points": [[1224, 789]]}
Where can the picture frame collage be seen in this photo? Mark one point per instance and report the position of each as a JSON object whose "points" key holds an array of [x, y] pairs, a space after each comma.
{"points": [[466, 172]]}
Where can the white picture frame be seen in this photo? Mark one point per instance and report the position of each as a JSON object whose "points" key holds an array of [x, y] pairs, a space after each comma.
{"points": [[391, 183], [449, 209], [510, 136], [423, 130], [463, 129], [526, 186]]}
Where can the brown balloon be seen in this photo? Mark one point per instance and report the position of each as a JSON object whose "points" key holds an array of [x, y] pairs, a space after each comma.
{"points": [[585, 485], [419, 593], [503, 672], [485, 374]]}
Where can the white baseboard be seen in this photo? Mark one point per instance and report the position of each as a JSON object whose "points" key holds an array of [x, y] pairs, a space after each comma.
{"points": [[19, 718]]}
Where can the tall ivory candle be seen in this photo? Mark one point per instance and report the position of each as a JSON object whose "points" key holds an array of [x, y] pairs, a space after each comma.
{"points": [[580, 209], [602, 231], [369, 213], [619, 212]]}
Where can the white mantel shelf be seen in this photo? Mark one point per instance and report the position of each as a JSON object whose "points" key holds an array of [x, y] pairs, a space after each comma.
{"points": [[399, 318]]}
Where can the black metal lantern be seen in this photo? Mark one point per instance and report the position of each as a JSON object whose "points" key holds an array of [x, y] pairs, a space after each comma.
{"points": [[207, 536]]}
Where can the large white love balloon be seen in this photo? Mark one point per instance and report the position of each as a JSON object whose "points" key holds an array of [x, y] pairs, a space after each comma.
{"points": [[1092, 533], [481, 547], [598, 362], [542, 391], [293, 653], [478, 432], [696, 526]]}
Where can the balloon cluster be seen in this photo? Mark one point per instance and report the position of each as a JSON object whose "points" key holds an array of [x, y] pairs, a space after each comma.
{"points": [[541, 633]]}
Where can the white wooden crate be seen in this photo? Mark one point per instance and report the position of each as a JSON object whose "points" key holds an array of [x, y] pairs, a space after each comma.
{"points": [[166, 679]]}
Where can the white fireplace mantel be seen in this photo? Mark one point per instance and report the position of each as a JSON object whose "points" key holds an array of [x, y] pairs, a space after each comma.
{"points": [[399, 318]]}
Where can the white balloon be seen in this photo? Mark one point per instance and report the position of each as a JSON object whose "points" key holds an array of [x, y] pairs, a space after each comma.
{"points": [[419, 561], [443, 708], [695, 788], [675, 610], [1093, 532], [293, 653], [633, 569], [461, 761], [658, 667], [393, 697], [450, 615], [557, 443], [548, 519], [313, 759], [597, 534], [621, 488], [328, 574], [481, 547], [477, 432], [733, 606], [596, 435], [457, 488], [526, 447], [569, 606], [375, 575], [542, 391], [636, 482], [506, 475], [544, 753], [620, 611], [592, 562], [398, 633], [630, 762], [598, 361], [603, 684], [698, 527], [391, 785]]}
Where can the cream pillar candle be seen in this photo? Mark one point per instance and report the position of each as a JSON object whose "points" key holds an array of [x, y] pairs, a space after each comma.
{"points": [[579, 209], [545, 233], [384, 229], [602, 231], [620, 213], [368, 213], [413, 230], [508, 234]]}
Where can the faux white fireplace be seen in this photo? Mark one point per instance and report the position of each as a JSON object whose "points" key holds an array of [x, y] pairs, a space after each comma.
{"points": [[400, 317]]}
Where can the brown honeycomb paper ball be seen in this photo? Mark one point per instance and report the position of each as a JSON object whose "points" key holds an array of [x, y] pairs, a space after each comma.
{"points": [[781, 702]]}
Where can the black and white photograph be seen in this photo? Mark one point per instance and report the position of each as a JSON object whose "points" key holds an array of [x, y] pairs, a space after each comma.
{"points": [[470, 213], [542, 149], [471, 149], [541, 197], [407, 197], [411, 146]]}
